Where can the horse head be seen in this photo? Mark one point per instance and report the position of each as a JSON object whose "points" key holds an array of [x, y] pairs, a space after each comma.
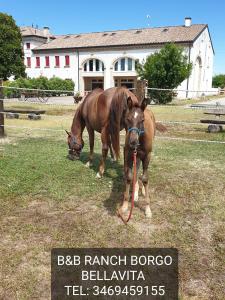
{"points": [[134, 121], [75, 144]]}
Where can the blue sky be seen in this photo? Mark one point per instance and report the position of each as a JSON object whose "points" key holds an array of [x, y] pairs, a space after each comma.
{"points": [[73, 16]]}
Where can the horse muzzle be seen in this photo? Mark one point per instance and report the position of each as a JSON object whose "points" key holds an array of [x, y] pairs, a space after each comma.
{"points": [[73, 154], [133, 144]]}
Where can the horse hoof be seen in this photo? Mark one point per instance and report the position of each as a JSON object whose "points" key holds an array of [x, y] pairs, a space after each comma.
{"points": [[98, 175], [148, 213], [124, 209], [88, 164]]}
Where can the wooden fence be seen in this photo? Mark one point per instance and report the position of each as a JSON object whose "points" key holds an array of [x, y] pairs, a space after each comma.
{"points": [[2, 133]]}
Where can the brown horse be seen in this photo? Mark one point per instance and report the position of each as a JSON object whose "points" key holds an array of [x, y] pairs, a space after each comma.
{"points": [[140, 131], [101, 111]]}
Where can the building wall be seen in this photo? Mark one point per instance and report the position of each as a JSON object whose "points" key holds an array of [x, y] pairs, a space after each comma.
{"points": [[201, 56], [109, 57]]}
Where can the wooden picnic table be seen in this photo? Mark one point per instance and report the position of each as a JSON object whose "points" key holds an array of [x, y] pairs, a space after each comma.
{"points": [[215, 124], [216, 112]]}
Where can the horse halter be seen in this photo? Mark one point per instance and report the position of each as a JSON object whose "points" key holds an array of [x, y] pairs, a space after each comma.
{"points": [[138, 130], [73, 142]]}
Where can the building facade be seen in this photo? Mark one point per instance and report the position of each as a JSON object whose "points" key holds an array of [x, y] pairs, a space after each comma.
{"points": [[107, 59]]}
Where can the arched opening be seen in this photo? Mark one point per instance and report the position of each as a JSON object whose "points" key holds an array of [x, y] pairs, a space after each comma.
{"points": [[124, 72], [93, 74], [93, 65], [124, 64], [198, 75]]}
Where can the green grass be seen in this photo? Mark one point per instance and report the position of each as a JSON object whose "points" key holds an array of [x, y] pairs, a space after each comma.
{"points": [[48, 201]]}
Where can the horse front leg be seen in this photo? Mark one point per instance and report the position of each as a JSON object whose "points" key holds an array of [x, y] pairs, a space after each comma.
{"points": [[145, 163], [91, 134], [126, 195], [105, 147]]}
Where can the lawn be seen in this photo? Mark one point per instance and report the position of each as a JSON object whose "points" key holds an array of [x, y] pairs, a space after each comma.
{"points": [[48, 201]]}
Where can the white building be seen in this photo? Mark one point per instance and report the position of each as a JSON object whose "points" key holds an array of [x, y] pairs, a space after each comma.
{"points": [[107, 59]]}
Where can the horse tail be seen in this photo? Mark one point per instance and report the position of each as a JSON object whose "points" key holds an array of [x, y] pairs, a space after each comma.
{"points": [[160, 127], [117, 108]]}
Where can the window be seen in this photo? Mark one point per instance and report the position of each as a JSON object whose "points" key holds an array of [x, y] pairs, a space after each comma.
{"points": [[56, 61], [47, 63], [94, 65], [128, 83], [97, 64], [91, 65], [130, 62], [124, 64], [28, 45], [67, 61], [37, 62], [28, 62], [97, 83], [116, 66]]}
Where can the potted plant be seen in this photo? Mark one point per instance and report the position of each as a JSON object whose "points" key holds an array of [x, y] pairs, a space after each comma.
{"points": [[77, 97]]}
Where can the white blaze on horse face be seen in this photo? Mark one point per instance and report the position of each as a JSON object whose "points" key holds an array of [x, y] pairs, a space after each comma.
{"points": [[135, 115]]}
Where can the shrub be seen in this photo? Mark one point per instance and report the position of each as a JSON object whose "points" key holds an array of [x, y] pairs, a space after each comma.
{"points": [[42, 83], [218, 81], [165, 69]]}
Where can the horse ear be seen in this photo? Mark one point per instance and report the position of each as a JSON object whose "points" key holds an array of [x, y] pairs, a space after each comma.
{"points": [[144, 103], [67, 132], [129, 102]]}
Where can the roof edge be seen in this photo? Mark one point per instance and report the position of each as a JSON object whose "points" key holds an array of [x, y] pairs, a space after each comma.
{"points": [[112, 46]]}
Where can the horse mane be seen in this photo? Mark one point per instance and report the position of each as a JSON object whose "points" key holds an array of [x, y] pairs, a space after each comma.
{"points": [[78, 121], [117, 110]]}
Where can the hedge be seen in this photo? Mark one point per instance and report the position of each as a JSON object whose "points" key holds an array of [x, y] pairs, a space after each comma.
{"points": [[42, 83]]}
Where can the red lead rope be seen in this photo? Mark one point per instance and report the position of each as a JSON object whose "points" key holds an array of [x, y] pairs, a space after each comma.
{"points": [[133, 189]]}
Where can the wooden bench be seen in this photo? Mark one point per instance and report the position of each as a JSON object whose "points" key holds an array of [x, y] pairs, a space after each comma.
{"points": [[32, 114], [215, 125]]}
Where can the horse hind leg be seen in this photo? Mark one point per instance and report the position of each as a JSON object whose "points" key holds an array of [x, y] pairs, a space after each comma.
{"points": [[145, 188], [112, 153], [91, 134], [105, 148], [148, 212]]}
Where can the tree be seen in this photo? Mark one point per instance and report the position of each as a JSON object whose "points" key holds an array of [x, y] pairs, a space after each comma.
{"points": [[218, 81], [11, 52], [165, 69]]}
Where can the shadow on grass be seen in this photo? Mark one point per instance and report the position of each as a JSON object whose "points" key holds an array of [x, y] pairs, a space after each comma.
{"points": [[113, 175]]}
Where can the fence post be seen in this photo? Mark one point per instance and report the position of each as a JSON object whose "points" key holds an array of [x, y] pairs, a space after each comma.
{"points": [[2, 134], [141, 89]]}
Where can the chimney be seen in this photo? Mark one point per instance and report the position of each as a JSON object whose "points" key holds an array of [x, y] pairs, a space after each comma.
{"points": [[187, 22], [46, 31]]}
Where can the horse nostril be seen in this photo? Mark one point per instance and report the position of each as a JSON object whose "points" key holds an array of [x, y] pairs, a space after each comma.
{"points": [[133, 143]]}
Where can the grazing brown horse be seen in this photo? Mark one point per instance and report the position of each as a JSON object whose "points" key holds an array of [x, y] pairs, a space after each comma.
{"points": [[101, 111], [140, 131]]}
